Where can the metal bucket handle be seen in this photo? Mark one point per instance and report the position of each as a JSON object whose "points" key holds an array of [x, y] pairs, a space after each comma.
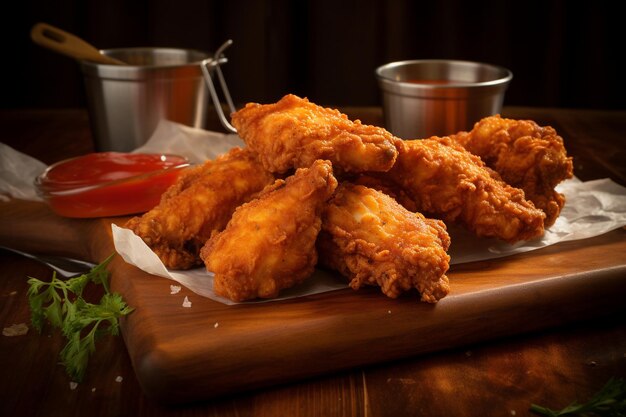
{"points": [[214, 64]]}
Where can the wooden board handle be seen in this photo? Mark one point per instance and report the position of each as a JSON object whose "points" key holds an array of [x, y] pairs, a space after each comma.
{"points": [[31, 226]]}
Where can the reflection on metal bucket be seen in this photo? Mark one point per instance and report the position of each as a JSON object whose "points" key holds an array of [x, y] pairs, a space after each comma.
{"points": [[424, 98], [127, 102]]}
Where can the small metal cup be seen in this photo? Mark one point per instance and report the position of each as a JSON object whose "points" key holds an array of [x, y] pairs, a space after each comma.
{"points": [[423, 98], [126, 102]]}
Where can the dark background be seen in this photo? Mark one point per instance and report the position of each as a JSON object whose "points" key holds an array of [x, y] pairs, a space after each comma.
{"points": [[562, 54]]}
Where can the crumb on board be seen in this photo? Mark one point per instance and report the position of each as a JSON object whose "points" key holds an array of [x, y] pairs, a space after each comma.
{"points": [[73, 385], [216, 324], [18, 329], [118, 379], [186, 302], [175, 289]]}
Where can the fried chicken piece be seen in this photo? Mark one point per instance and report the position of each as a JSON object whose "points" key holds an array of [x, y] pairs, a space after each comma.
{"points": [[269, 244], [198, 204], [294, 132], [370, 238], [388, 187], [448, 182], [526, 156]]}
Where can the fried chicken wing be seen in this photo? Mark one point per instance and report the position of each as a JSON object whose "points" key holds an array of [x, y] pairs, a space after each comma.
{"points": [[526, 156], [294, 132], [198, 204], [448, 182], [371, 239], [388, 187], [269, 244]]}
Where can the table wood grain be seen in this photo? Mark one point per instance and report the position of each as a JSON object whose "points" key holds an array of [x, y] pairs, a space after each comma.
{"points": [[500, 377]]}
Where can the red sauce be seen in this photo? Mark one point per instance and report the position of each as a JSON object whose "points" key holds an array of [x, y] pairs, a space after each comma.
{"points": [[108, 183]]}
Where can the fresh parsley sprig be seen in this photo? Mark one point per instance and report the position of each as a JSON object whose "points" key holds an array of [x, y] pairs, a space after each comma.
{"points": [[610, 401], [62, 304]]}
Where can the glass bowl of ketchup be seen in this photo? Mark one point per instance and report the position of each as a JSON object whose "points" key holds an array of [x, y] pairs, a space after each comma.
{"points": [[106, 184]]}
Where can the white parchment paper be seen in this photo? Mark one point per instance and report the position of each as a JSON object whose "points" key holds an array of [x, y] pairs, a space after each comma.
{"points": [[592, 208], [197, 145], [17, 173]]}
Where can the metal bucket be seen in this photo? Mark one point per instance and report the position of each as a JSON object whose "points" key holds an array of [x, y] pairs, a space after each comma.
{"points": [[423, 98], [126, 102]]}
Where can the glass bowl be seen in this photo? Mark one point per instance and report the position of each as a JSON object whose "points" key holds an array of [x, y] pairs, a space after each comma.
{"points": [[106, 184]]}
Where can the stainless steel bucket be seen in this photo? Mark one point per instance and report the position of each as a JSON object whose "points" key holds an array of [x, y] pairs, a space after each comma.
{"points": [[127, 102], [423, 98]]}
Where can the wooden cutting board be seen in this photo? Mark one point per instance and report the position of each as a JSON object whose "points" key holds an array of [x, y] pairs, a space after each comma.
{"points": [[186, 354]]}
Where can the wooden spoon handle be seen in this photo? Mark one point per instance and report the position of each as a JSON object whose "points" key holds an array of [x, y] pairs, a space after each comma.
{"points": [[67, 44]]}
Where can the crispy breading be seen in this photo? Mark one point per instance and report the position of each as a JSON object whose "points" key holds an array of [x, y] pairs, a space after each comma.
{"points": [[526, 156], [371, 239], [294, 132], [448, 182], [269, 244], [388, 187], [200, 203]]}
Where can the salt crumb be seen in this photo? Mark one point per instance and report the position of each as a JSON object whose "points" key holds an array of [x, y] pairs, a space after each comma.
{"points": [[513, 412], [216, 324], [119, 379], [592, 363], [186, 302], [174, 289], [388, 311], [93, 389], [73, 385], [13, 293], [15, 330]]}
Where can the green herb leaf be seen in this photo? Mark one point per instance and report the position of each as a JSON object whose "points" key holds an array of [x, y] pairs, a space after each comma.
{"points": [[62, 304], [610, 401], [35, 301], [75, 356]]}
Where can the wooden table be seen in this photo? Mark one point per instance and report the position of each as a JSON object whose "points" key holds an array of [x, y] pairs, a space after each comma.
{"points": [[501, 377]]}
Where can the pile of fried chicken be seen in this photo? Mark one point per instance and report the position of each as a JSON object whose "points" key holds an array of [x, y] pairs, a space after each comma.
{"points": [[312, 187]]}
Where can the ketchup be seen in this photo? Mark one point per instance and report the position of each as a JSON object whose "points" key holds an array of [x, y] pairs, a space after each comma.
{"points": [[108, 183]]}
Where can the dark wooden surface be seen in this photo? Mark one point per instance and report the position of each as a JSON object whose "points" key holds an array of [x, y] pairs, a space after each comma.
{"points": [[501, 377]]}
